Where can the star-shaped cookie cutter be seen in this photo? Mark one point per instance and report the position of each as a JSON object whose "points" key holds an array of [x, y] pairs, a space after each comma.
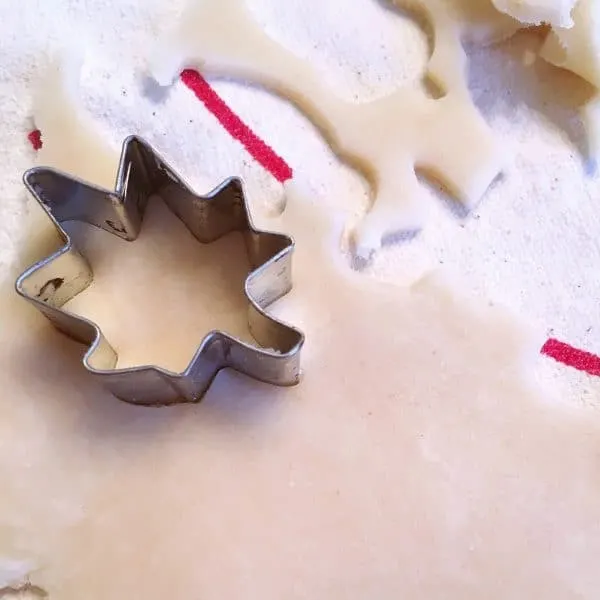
{"points": [[50, 283]]}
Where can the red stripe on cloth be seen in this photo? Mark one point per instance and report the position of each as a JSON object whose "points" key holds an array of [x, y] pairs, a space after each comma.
{"points": [[572, 357], [260, 151], [35, 138]]}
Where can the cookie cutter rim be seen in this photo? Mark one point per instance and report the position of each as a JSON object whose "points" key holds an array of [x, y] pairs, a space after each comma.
{"points": [[52, 281]]}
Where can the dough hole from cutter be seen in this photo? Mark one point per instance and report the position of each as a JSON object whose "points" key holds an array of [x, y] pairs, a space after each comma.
{"points": [[137, 283]]}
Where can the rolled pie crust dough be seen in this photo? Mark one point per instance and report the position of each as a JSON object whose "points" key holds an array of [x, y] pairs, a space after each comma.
{"points": [[413, 461]]}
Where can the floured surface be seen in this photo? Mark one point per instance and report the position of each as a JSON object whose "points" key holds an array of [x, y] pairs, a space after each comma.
{"points": [[531, 244], [412, 460]]}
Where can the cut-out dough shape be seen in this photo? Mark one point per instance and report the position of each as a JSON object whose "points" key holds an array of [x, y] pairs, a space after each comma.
{"points": [[386, 138]]}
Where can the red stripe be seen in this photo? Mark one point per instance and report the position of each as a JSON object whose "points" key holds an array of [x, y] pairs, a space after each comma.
{"points": [[259, 150], [572, 357], [35, 138]]}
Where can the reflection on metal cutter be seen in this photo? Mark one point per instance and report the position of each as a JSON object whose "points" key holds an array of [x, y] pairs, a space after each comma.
{"points": [[54, 280]]}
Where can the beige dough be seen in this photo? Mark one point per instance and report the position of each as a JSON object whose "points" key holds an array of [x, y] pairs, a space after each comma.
{"points": [[578, 48], [387, 138], [535, 12], [413, 461], [573, 44]]}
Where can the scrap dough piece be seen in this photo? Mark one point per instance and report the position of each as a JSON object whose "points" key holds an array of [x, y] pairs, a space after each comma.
{"points": [[578, 49], [411, 462], [386, 138], [535, 12], [573, 44]]}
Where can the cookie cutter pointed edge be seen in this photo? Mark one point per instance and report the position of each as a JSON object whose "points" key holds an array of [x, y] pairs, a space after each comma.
{"points": [[52, 281]]}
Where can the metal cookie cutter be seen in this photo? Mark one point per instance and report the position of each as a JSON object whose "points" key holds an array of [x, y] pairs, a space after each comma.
{"points": [[54, 280]]}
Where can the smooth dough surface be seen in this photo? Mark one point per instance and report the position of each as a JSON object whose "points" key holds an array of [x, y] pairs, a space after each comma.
{"points": [[414, 460], [387, 138]]}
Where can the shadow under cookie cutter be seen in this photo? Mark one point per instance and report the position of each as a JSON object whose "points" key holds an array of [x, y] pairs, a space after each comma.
{"points": [[54, 280]]}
